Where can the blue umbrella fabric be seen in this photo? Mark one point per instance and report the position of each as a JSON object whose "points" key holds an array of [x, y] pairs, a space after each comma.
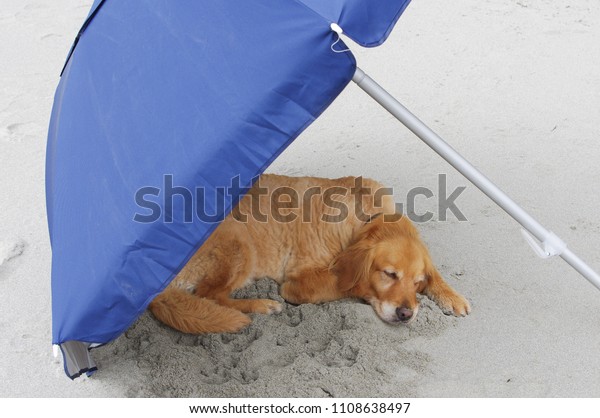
{"points": [[165, 114]]}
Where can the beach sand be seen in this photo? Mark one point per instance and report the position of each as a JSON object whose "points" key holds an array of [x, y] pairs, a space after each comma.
{"points": [[512, 85]]}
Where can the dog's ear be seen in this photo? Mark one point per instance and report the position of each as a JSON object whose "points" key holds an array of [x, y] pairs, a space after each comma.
{"points": [[353, 265]]}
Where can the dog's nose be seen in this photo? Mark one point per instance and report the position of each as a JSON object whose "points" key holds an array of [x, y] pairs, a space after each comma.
{"points": [[404, 314]]}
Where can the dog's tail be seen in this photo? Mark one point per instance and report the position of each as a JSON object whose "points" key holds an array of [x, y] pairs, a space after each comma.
{"points": [[193, 315]]}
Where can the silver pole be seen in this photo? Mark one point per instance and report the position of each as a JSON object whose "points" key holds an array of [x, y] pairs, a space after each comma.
{"points": [[550, 243]]}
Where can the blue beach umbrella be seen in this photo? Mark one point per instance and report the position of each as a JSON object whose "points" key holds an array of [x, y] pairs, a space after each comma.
{"points": [[158, 99], [165, 113]]}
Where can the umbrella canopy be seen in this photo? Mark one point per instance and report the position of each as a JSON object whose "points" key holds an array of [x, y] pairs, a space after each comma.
{"points": [[165, 114]]}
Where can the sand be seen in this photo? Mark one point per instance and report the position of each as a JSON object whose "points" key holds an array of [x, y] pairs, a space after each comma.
{"points": [[513, 85]]}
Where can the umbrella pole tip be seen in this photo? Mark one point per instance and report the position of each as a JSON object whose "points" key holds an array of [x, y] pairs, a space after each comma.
{"points": [[336, 28]]}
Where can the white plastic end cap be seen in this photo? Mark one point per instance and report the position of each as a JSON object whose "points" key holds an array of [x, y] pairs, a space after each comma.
{"points": [[336, 28]]}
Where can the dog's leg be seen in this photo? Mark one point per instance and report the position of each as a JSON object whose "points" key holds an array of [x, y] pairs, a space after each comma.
{"points": [[311, 286], [187, 313], [444, 296], [227, 268], [222, 297], [264, 306]]}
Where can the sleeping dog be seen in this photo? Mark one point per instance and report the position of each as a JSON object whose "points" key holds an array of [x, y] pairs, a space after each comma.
{"points": [[321, 249]]}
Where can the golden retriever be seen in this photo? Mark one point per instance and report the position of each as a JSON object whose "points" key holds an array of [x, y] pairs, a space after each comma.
{"points": [[321, 240]]}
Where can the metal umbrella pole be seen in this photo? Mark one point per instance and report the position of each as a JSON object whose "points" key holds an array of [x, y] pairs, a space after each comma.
{"points": [[545, 243]]}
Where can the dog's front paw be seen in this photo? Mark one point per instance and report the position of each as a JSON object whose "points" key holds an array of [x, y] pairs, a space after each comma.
{"points": [[267, 306], [459, 306], [454, 304]]}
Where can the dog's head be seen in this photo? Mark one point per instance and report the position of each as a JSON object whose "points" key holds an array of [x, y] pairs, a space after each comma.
{"points": [[386, 265]]}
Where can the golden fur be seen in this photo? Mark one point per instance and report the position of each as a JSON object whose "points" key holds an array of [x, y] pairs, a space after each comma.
{"points": [[380, 260]]}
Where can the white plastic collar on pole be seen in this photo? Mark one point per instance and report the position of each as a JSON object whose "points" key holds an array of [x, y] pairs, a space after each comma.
{"points": [[551, 246]]}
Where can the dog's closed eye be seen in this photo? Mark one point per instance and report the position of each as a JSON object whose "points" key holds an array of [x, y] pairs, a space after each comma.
{"points": [[391, 274]]}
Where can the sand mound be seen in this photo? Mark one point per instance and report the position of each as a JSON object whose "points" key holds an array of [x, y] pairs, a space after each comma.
{"points": [[325, 348]]}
